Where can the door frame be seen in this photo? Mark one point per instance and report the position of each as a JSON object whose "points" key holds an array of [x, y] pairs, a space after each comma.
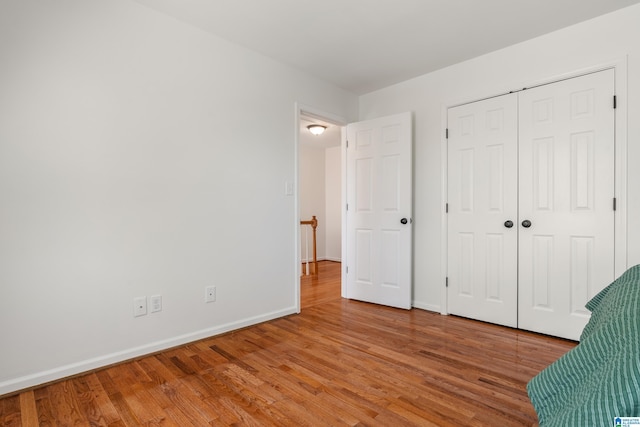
{"points": [[620, 179], [309, 111]]}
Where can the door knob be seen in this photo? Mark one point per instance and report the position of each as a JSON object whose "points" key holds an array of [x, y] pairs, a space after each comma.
{"points": [[403, 221], [526, 223], [508, 223]]}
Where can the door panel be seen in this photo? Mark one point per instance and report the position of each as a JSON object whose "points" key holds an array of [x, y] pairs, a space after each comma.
{"points": [[379, 195], [566, 167], [482, 194]]}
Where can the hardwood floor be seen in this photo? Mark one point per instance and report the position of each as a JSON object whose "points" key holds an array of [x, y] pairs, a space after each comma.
{"points": [[321, 288], [339, 362]]}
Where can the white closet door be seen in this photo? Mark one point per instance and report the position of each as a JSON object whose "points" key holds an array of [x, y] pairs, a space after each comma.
{"points": [[482, 197], [566, 165]]}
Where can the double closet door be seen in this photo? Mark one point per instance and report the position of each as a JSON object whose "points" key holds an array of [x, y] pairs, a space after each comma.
{"points": [[531, 205]]}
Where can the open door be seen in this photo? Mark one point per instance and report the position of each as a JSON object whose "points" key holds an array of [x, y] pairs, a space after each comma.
{"points": [[379, 209]]}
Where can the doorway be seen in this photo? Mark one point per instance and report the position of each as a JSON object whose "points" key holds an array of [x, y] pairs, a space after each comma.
{"points": [[375, 210], [319, 198]]}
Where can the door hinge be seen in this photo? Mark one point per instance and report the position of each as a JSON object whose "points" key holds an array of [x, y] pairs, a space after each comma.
{"points": [[347, 143], [347, 269], [615, 102], [615, 202], [446, 282], [347, 206], [446, 133], [446, 208]]}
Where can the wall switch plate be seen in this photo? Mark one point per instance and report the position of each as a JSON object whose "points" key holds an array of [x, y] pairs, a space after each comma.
{"points": [[288, 188], [210, 294], [156, 303], [139, 306]]}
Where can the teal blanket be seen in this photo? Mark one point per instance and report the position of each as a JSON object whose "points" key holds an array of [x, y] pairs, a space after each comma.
{"points": [[599, 379]]}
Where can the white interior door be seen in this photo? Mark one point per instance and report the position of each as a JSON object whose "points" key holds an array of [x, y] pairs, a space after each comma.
{"points": [[379, 208], [482, 210], [566, 193]]}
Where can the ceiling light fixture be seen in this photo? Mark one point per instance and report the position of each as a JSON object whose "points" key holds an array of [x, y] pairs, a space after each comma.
{"points": [[316, 129]]}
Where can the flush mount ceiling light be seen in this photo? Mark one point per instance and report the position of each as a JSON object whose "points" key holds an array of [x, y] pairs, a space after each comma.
{"points": [[316, 129]]}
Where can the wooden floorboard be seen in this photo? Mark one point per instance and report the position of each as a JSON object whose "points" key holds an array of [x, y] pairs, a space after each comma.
{"points": [[339, 362]]}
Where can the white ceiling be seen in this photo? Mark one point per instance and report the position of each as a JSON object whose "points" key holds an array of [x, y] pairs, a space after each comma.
{"points": [[365, 45]]}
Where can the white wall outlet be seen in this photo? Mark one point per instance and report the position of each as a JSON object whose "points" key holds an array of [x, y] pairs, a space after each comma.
{"points": [[139, 306], [210, 294], [156, 303]]}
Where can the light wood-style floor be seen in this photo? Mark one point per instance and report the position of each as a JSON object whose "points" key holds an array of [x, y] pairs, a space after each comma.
{"points": [[339, 362]]}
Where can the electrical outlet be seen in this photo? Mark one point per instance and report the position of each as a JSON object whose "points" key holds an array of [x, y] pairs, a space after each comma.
{"points": [[210, 294], [139, 306], [156, 303]]}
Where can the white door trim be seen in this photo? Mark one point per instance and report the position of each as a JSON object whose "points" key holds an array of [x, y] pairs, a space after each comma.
{"points": [[621, 256], [303, 109]]}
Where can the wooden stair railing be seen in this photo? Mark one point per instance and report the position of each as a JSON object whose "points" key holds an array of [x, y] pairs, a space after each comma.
{"points": [[313, 222]]}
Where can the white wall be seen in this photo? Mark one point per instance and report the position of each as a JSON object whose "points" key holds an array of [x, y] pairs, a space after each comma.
{"points": [[607, 38], [333, 208], [138, 156], [312, 199], [320, 184]]}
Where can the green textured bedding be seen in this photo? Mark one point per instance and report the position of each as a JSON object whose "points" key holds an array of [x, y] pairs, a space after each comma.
{"points": [[599, 379]]}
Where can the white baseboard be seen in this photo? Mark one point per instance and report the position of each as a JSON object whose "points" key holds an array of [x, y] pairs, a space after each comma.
{"points": [[15, 384]]}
